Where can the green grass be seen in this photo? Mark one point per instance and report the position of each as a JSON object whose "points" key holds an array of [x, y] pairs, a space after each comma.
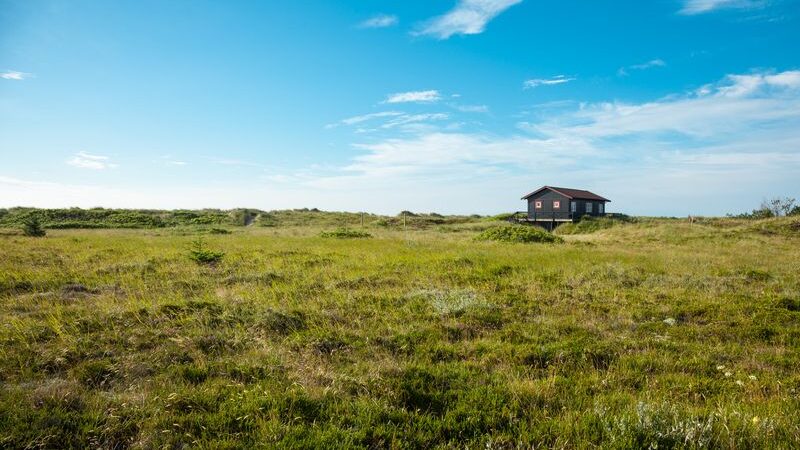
{"points": [[655, 333]]}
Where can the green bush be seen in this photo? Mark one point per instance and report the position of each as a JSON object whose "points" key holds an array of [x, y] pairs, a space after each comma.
{"points": [[590, 224], [32, 227], [200, 254], [518, 233], [345, 233]]}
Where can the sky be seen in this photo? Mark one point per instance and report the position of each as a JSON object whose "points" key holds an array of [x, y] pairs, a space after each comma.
{"points": [[667, 107]]}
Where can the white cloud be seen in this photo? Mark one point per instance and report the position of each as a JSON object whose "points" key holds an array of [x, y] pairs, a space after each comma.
{"points": [[379, 21], [468, 17], [414, 97], [721, 110], [409, 119], [14, 75], [737, 136], [692, 7], [536, 82], [364, 118], [472, 108], [85, 160], [644, 66]]}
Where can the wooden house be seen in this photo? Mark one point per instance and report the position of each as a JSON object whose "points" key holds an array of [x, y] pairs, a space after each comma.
{"points": [[550, 206]]}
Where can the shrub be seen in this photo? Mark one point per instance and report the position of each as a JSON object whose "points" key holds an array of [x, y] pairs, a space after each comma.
{"points": [[518, 233], [200, 254], [345, 233], [32, 227], [219, 231], [590, 224]]}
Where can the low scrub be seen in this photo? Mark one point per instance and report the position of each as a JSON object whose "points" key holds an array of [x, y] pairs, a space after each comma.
{"points": [[518, 233], [201, 254], [589, 224], [345, 233]]}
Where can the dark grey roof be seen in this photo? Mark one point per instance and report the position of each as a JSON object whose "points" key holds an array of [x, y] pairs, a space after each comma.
{"points": [[578, 194]]}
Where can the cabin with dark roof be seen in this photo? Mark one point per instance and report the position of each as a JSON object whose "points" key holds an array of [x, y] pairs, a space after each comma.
{"points": [[550, 206]]}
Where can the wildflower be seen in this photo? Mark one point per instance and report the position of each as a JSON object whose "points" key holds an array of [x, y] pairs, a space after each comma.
{"points": [[669, 321], [728, 374], [752, 377], [720, 367], [756, 420], [740, 382]]}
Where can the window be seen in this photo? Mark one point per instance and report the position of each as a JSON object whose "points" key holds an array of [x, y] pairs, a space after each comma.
{"points": [[538, 204], [588, 207], [573, 206], [556, 204], [601, 208]]}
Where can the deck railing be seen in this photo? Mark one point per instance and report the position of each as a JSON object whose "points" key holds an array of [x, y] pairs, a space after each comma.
{"points": [[523, 216]]}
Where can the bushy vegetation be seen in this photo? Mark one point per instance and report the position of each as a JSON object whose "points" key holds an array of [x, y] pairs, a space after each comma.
{"points": [[32, 228], [345, 233], [775, 207], [592, 224], [201, 254], [518, 233], [656, 334]]}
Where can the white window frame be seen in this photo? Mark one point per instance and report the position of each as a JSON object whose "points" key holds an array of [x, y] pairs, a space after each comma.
{"points": [[537, 204], [601, 208], [556, 204], [589, 207], [573, 206]]}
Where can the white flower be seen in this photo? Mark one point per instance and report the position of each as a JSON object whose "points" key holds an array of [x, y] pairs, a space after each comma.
{"points": [[720, 367], [669, 321], [728, 374], [752, 377], [740, 382]]}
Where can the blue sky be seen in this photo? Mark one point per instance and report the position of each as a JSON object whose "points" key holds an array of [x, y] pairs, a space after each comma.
{"points": [[668, 107]]}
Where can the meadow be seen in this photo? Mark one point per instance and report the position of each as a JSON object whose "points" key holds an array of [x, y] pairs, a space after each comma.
{"points": [[646, 333]]}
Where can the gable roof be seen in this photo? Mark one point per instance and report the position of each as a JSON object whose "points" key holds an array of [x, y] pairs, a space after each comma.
{"points": [[578, 194]]}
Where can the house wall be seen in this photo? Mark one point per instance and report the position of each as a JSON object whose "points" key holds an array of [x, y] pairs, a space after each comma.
{"points": [[547, 197], [581, 211]]}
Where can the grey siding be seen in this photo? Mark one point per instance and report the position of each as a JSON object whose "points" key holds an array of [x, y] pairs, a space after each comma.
{"points": [[547, 198]]}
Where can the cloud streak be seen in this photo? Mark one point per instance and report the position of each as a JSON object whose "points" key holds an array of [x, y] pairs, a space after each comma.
{"points": [[468, 17], [83, 160], [380, 21], [15, 75], [623, 71], [536, 82], [694, 7], [429, 96]]}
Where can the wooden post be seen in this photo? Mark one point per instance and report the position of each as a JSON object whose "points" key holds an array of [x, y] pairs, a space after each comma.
{"points": [[404, 221], [362, 220]]}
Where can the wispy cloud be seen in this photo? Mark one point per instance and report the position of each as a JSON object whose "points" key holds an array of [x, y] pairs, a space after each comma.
{"points": [[737, 105], [468, 17], [472, 108], [170, 161], [380, 21], [85, 160], [414, 97], [741, 128], [408, 119], [692, 7], [364, 118], [536, 82], [15, 75], [644, 66]]}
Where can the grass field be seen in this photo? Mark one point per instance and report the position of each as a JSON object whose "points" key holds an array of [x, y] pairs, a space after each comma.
{"points": [[652, 333]]}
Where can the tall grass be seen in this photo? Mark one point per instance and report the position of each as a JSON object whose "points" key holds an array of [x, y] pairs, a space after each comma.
{"points": [[654, 334]]}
